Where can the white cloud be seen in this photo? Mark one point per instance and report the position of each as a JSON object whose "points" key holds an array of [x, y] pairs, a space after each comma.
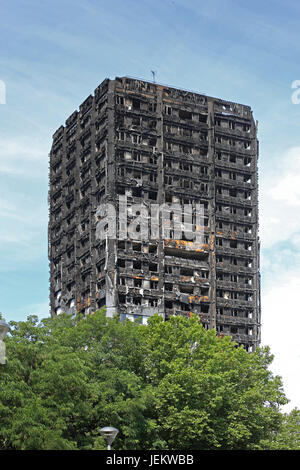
{"points": [[280, 261], [280, 330], [280, 200], [23, 209], [23, 158], [287, 188], [23, 229]]}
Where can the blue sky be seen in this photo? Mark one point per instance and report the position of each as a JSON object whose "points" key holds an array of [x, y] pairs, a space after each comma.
{"points": [[54, 54]]}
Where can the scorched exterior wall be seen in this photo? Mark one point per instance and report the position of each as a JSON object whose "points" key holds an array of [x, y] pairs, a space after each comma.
{"points": [[155, 144]]}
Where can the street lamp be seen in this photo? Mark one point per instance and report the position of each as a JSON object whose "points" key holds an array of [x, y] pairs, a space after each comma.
{"points": [[4, 329], [109, 433]]}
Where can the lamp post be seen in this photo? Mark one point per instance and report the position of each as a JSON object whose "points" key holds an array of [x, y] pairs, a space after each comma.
{"points": [[109, 433], [4, 329]]}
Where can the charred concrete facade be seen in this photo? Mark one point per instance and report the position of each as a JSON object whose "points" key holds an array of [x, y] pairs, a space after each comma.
{"points": [[155, 144]]}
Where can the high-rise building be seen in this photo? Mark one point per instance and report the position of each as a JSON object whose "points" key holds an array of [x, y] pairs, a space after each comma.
{"points": [[136, 146]]}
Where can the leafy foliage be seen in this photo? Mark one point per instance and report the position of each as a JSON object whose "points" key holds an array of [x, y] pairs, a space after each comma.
{"points": [[169, 385], [288, 436]]}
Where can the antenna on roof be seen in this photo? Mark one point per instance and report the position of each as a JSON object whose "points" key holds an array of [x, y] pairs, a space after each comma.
{"points": [[153, 74]]}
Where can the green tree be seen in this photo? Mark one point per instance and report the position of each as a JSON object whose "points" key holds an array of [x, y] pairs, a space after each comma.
{"points": [[169, 385], [288, 435]]}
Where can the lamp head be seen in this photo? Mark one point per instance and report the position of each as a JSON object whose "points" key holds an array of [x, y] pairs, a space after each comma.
{"points": [[109, 433], [4, 329]]}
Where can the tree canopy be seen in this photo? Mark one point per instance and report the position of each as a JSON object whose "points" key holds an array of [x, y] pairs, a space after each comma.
{"points": [[166, 386]]}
